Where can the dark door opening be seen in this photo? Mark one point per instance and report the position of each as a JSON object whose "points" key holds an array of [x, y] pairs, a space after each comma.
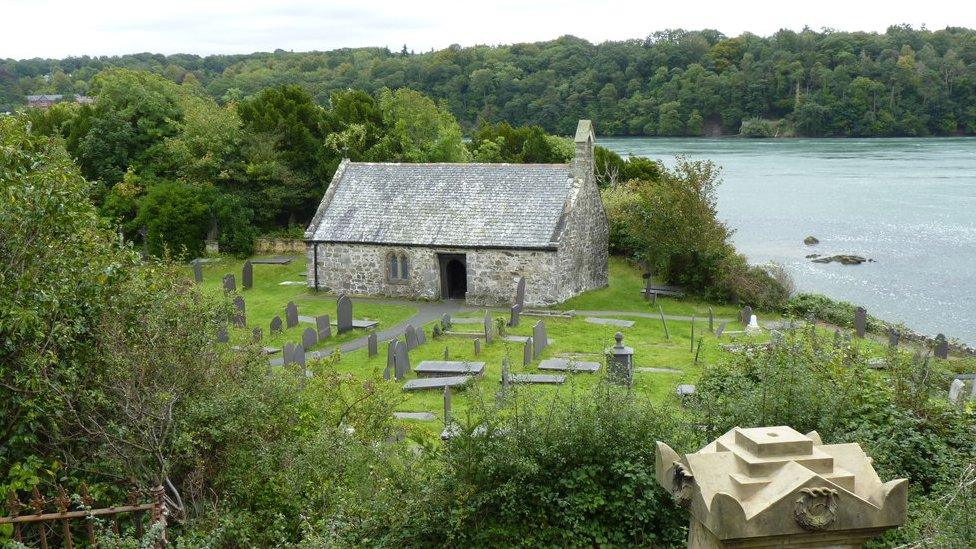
{"points": [[454, 276]]}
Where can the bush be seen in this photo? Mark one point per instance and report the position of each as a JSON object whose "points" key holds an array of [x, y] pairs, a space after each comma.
{"points": [[176, 216], [825, 309], [757, 127]]}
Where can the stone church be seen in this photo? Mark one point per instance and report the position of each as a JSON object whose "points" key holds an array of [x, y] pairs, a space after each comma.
{"points": [[462, 231]]}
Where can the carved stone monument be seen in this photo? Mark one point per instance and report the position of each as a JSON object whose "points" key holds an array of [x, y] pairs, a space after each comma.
{"points": [[620, 362], [774, 487]]}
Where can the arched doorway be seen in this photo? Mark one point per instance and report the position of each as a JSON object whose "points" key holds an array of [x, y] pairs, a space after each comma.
{"points": [[454, 276]]}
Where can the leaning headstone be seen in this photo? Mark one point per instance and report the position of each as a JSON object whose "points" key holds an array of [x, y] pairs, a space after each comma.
{"points": [[288, 353], [488, 327], [520, 293], [745, 315], [343, 314], [893, 337], [721, 328], [323, 326], [941, 347], [256, 335], [410, 335], [276, 325], [513, 319], [240, 318], [539, 339], [291, 315], [229, 283], [197, 271], [309, 338], [222, 335], [391, 356], [402, 360], [527, 352], [371, 344], [477, 346], [620, 362], [247, 275], [860, 321], [421, 336]]}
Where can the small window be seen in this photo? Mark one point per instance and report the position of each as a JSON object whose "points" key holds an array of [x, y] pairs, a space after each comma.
{"points": [[394, 272], [404, 268]]}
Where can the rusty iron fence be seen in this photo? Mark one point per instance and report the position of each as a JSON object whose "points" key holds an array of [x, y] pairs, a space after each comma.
{"points": [[76, 517]]}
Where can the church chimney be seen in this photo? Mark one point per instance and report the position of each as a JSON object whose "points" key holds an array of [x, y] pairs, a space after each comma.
{"points": [[583, 160]]}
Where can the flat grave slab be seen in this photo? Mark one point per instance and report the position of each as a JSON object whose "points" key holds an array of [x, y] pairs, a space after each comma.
{"points": [[428, 383], [271, 350], [277, 260], [292, 283], [610, 321], [472, 335], [416, 416], [659, 370], [356, 323], [566, 365], [463, 320], [545, 379], [515, 338], [431, 368]]}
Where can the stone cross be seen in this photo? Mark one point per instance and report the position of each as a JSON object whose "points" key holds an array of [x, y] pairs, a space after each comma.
{"points": [[513, 319], [276, 325], [941, 347], [256, 335], [527, 352], [539, 339], [323, 325], [288, 353], [391, 356], [240, 319], [343, 314], [230, 284], [197, 271], [488, 327], [291, 315], [520, 293], [247, 275], [371, 344], [402, 360], [860, 321], [477, 346], [222, 335], [309, 339], [410, 335]]}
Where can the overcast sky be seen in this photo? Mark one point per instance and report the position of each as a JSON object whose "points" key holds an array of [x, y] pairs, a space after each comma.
{"points": [[46, 28]]}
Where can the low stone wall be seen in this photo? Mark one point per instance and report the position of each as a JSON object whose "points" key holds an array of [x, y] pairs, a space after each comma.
{"points": [[263, 246]]}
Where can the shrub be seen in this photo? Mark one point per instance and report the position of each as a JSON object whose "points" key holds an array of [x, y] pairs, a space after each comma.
{"points": [[176, 216], [757, 127]]}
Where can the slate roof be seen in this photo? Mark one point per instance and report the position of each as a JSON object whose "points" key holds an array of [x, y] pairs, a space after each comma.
{"points": [[453, 205]]}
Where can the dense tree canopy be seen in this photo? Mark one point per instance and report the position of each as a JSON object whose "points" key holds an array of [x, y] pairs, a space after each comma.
{"points": [[902, 82]]}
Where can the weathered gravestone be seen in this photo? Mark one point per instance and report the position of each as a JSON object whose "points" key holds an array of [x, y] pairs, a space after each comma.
{"points": [[410, 335], [343, 314], [222, 335], [276, 325], [955, 390], [527, 352], [402, 360], [513, 319], [288, 354], [256, 335], [941, 347], [520, 293], [893, 337], [247, 275], [240, 319], [620, 362], [447, 405], [421, 336], [860, 321], [446, 322], [745, 315], [488, 328], [721, 328], [291, 315], [390, 358], [197, 271], [299, 355], [371, 344], [323, 326], [309, 338], [477, 346], [539, 339], [229, 283]]}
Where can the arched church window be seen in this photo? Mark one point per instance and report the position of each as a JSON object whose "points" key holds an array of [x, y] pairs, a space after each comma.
{"points": [[404, 267], [394, 271]]}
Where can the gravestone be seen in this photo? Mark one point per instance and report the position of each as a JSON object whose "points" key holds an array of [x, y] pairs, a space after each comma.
{"points": [[222, 335], [402, 360], [276, 325], [955, 390], [893, 337], [197, 271], [860, 321], [446, 322], [256, 335], [477, 346], [520, 293], [447, 405], [513, 318], [745, 315], [391, 355], [299, 355], [527, 352], [288, 354], [247, 275], [229, 283], [240, 319], [488, 328], [711, 320], [291, 315], [388, 371], [343, 314], [941, 347], [410, 335], [308, 338], [421, 336], [323, 326], [721, 328], [371, 344], [620, 362], [539, 339]]}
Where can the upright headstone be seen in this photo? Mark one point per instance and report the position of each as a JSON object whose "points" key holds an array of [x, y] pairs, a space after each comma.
{"points": [[421, 336], [477, 346], [197, 271], [941, 347], [391, 356], [447, 405], [527, 352], [276, 325], [488, 327], [539, 339], [299, 356], [410, 335], [955, 390], [240, 318], [229, 283], [893, 337], [247, 275], [288, 353], [860, 321], [309, 339], [402, 360], [520, 293], [620, 366], [745, 315], [323, 326], [711, 320], [371, 344], [256, 334], [343, 314], [291, 315], [446, 321], [513, 319], [222, 335]]}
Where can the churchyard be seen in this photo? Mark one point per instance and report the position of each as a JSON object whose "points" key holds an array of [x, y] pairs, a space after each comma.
{"points": [[666, 363]]}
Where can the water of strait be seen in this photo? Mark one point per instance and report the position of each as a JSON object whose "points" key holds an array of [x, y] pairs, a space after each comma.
{"points": [[909, 204]]}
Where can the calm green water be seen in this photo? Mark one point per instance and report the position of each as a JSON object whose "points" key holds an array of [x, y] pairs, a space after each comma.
{"points": [[909, 204]]}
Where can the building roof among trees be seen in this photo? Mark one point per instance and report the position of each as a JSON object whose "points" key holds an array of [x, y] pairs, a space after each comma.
{"points": [[458, 205]]}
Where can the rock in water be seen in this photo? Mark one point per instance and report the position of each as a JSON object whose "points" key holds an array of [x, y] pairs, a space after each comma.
{"points": [[811, 240], [844, 259]]}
